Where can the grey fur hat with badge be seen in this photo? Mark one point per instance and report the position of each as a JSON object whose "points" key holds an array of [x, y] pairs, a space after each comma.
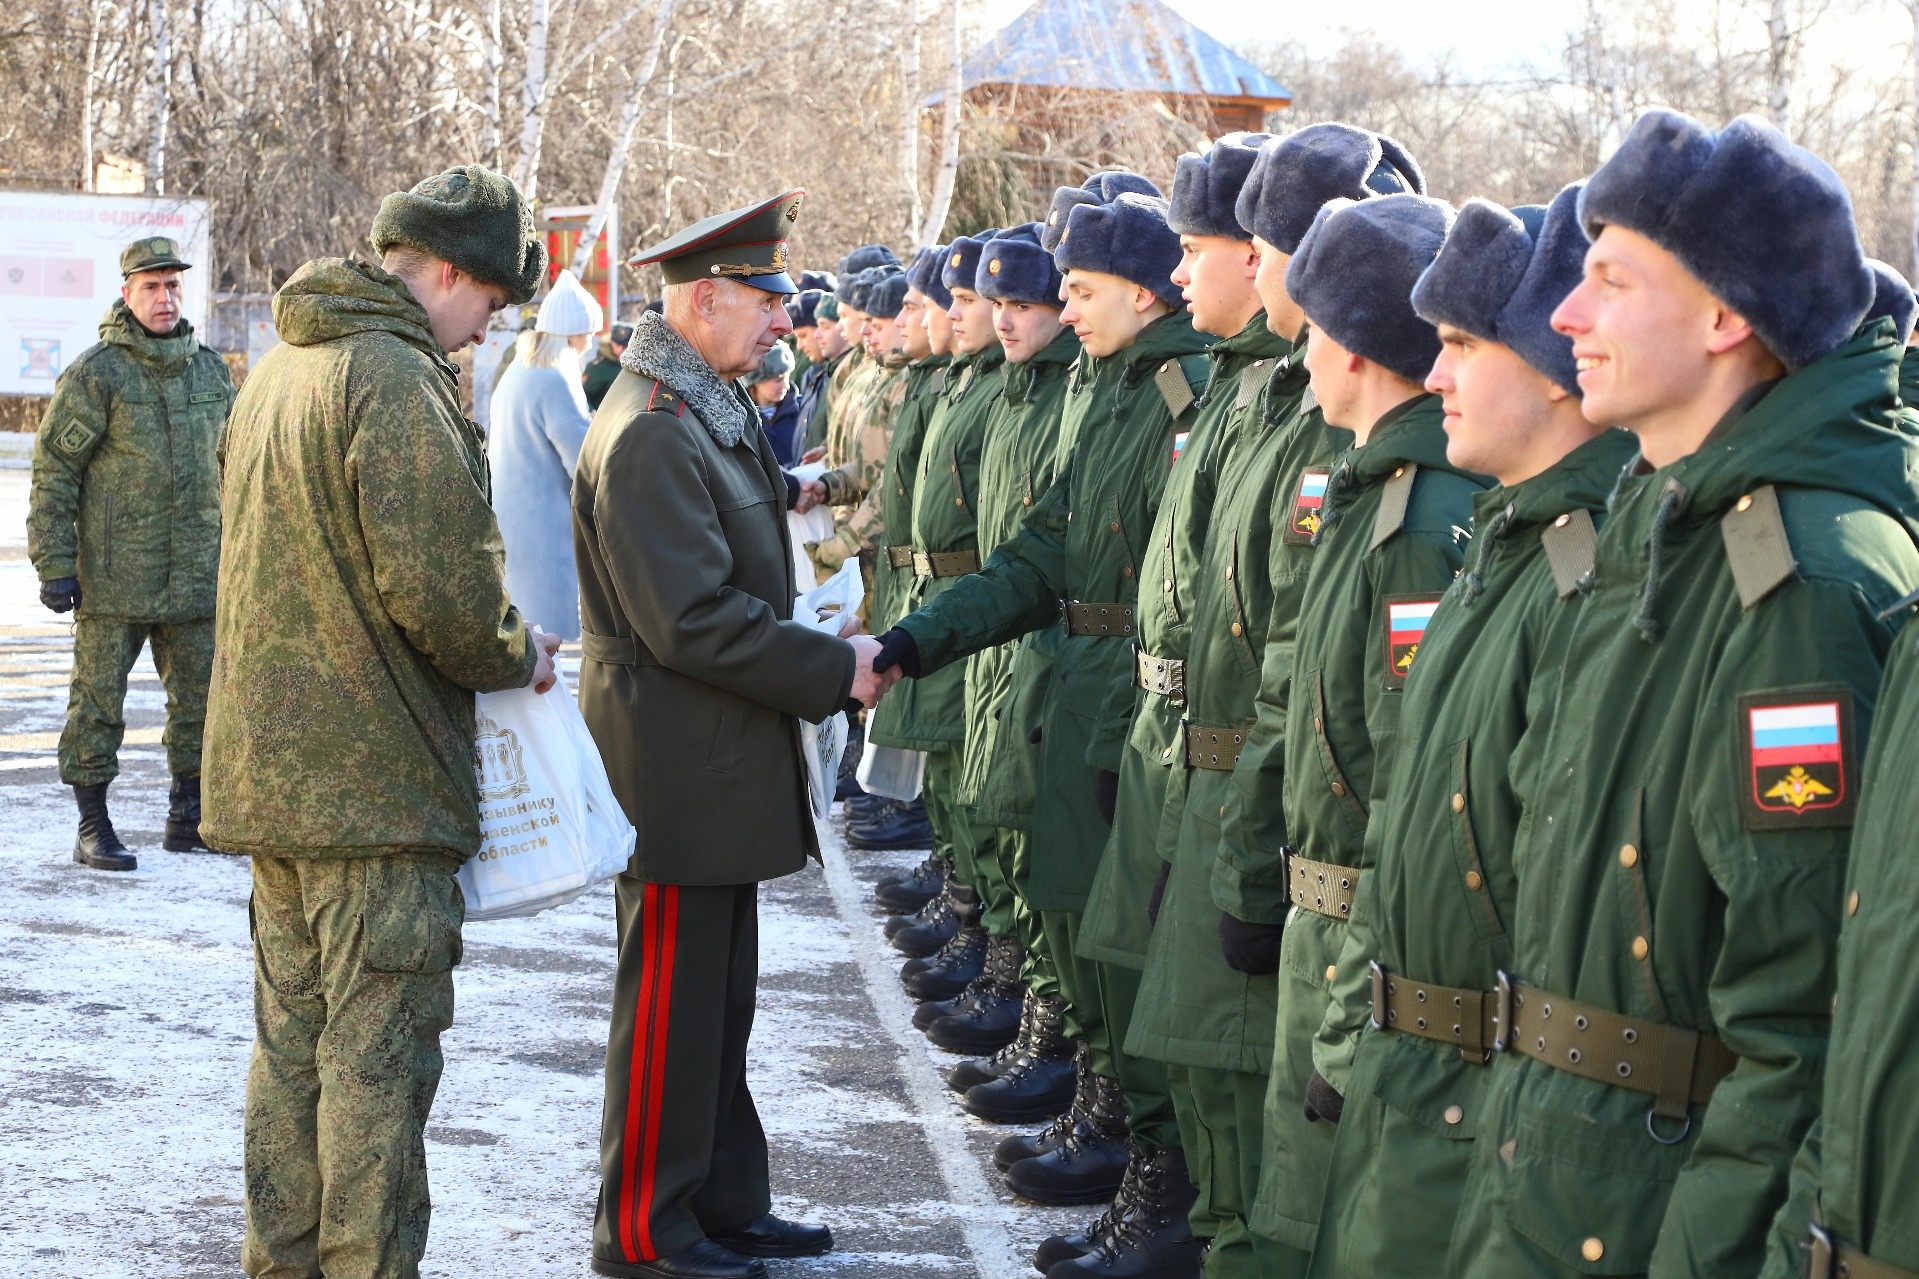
{"points": [[1297, 174], [1101, 188], [1207, 185], [1501, 274], [961, 266], [1765, 225], [1353, 275], [924, 275], [1891, 297], [885, 292], [473, 218], [1014, 268], [1128, 238]]}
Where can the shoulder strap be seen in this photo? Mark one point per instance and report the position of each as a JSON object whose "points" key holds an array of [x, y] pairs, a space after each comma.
{"points": [[936, 384], [1570, 542], [1252, 379], [1394, 497], [663, 399], [1757, 549], [1174, 388]]}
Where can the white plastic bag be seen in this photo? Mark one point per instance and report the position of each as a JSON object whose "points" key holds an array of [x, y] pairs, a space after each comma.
{"points": [[550, 827], [814, 526], [825, 608], [892, 771]]}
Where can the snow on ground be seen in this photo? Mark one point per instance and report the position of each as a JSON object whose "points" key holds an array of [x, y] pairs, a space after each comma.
{"points": [[125, 1025]]}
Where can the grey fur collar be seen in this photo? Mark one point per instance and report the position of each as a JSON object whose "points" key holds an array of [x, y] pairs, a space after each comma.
{"points": [[656, 351]]}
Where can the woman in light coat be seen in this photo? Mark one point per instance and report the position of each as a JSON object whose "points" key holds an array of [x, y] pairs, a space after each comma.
{"points": [[539, 418]]}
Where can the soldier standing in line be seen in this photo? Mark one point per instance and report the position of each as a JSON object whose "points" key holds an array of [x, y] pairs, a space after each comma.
{"points": [[1432, 917], [1689, 772], [362, 604], [123, 527], [816, 396], [869, 427]]}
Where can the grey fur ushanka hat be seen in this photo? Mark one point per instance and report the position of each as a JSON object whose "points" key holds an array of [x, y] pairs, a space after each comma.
{"points": [[1101, 188], [1207, 185], [885, 292], [866, 257], [924, 275], [1499, 279], [1892, 296], [1014, 268], [1128, 238], [1297, 174], [962, 259], [473, 218], [1354, 272], [1765, 225]]}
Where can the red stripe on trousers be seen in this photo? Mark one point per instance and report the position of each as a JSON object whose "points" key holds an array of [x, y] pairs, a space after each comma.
{"points": [[636, 1078], [656, 1068]]}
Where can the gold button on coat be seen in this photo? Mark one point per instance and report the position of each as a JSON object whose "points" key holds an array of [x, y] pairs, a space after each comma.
{"points": [[1593, 1249], [1852, 903], [1473, 881], [1454, 1114], [1332, 971], [1238, 629], [1640, 948], [1114, 526], [1459, 802], [1339, 788], [1127, 571], [1744, 503], [1628, 856], [959, 501]]}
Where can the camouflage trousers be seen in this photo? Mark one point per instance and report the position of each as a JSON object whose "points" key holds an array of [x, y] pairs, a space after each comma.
{"points": [[104, 650], [352, 986]]}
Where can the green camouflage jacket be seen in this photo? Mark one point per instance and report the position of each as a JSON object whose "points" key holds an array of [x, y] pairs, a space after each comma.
{"points": [[126, 475], [362, 594], [856, 481]]}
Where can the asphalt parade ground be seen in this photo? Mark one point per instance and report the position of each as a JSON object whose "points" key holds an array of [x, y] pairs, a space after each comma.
{"points": [[126, 1022]]}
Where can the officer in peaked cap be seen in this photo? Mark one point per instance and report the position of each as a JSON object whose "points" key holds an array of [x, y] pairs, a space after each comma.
{"points": [[694, 682]]}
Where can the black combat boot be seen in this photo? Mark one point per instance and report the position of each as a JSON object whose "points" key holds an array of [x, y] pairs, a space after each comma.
{"points": [[906, 893], [1087, 1166], [924, 939], [862, 808], [902, 826], [1151, 1238], [1024, 1145], [983, 1070], [97, 845], [988, 1016], [952, 969], [932, 1010], [1074, 1244], [1041, 1081], [183, 817], [938, 907]]}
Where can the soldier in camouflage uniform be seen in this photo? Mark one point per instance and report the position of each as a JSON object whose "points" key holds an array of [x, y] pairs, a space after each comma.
{"points": [[855, 481], [124, 531], [362, 603]]}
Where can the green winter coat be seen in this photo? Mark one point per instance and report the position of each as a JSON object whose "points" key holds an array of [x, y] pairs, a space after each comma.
{"points": [[892, 587], [1083, 543], [1016, 469], [1909, 377], [930, 714], [1724, 916], [1437, 904], [1858, 1175], [362, 593], [126, 474], [1340, 731], [1154, 760]]}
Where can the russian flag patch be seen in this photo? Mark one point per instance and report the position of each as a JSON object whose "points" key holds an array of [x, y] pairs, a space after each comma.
{"points": [[1406, 620], [1797, 745], [1308, 498]]}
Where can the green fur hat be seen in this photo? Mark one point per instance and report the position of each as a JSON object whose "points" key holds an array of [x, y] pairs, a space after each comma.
{"points": [[475, 219]]}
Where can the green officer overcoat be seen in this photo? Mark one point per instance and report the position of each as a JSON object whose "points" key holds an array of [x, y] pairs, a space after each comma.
{"points": [[1735, 590], [1437, 904]]}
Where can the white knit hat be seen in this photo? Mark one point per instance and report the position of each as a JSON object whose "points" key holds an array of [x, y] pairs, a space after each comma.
{"points": [[569, 309]]}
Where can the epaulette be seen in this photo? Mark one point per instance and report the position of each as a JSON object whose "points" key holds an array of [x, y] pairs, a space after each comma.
{"points": [[1394, 497], [1570, 543], [1757, 549], [663, 399], [936, 384], [1252, 380], [1175, 387]]}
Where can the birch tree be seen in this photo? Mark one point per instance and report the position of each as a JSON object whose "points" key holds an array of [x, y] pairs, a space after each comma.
{"points": [[1782, 52], [622, 143], [159, 95], [948, 170], [533, 96], [909, 108]]}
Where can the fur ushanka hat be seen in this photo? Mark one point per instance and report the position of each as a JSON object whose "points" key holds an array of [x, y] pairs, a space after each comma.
{"points": [[1297, 174], [1014, 268], [1763, 224], [473, 218], [1206, 187], [885, 292], [1891, 296], [1128, 238], [962, 259], [1353, 276], [1101, 188], [1500, 279], [924, 275]]}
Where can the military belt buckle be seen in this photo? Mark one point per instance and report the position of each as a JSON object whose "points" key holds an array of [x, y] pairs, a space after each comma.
{"points": [[1820, 1253], [1503, 1012], [1379, 994]]}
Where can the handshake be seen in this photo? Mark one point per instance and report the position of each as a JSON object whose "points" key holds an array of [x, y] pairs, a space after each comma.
{"points": [[881, 663]]}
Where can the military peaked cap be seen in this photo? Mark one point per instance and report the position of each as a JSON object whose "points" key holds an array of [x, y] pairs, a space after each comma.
{"points": [[748, 245], [155, 253]]}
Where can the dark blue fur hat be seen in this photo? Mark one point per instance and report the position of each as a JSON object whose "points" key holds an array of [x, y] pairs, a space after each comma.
{"points": [[962, 259], [885, 292], [1892, 296], [1501, 274], [1014, 268], [1300, 172], [1353, 276], [852, 289], [867, 255], [802, 310], [1128, 238], [1763, 224], [1101, 188], [824, 281], [924, 275], [1206, 186]]}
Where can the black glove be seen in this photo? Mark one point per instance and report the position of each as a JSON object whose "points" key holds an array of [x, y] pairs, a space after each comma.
{"points": [[898, 648], [1154, 898], [61, 594], [1322, 1100], [1106, 794], [1032, 738], [1252, 949]]}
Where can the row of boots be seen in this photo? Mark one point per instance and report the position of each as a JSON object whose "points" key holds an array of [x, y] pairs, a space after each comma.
{"points": [[973, 999], [99, 846]]}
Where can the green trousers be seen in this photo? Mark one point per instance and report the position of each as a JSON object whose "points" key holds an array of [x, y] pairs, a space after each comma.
{"points": [[1039, 972], [1099, 999], [352, 985], [975, 858], [682, 1153], [1220, 1113], [104, 651]]}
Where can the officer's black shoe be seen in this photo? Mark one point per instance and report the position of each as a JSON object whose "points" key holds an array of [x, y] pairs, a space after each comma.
{"points": [[906, 893], [952, 970], [905, 827], [923, 939], [97, 845], [1149, 1238], [183, 817], [704, 1260], [989, 1015], [1043, 1080], [1019, 1146], [1089, 1164], [770, 1236]]}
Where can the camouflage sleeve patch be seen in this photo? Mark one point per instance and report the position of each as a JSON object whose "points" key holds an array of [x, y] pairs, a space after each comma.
{"points": [[1406, 619], [76, 437], [1797, 752]]}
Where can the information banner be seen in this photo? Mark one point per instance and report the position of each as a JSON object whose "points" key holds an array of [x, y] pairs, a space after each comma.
{"points": [[60, 270]]}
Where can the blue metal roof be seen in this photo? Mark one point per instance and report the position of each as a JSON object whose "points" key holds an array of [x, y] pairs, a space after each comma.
{"points": [[1123, 45]]}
